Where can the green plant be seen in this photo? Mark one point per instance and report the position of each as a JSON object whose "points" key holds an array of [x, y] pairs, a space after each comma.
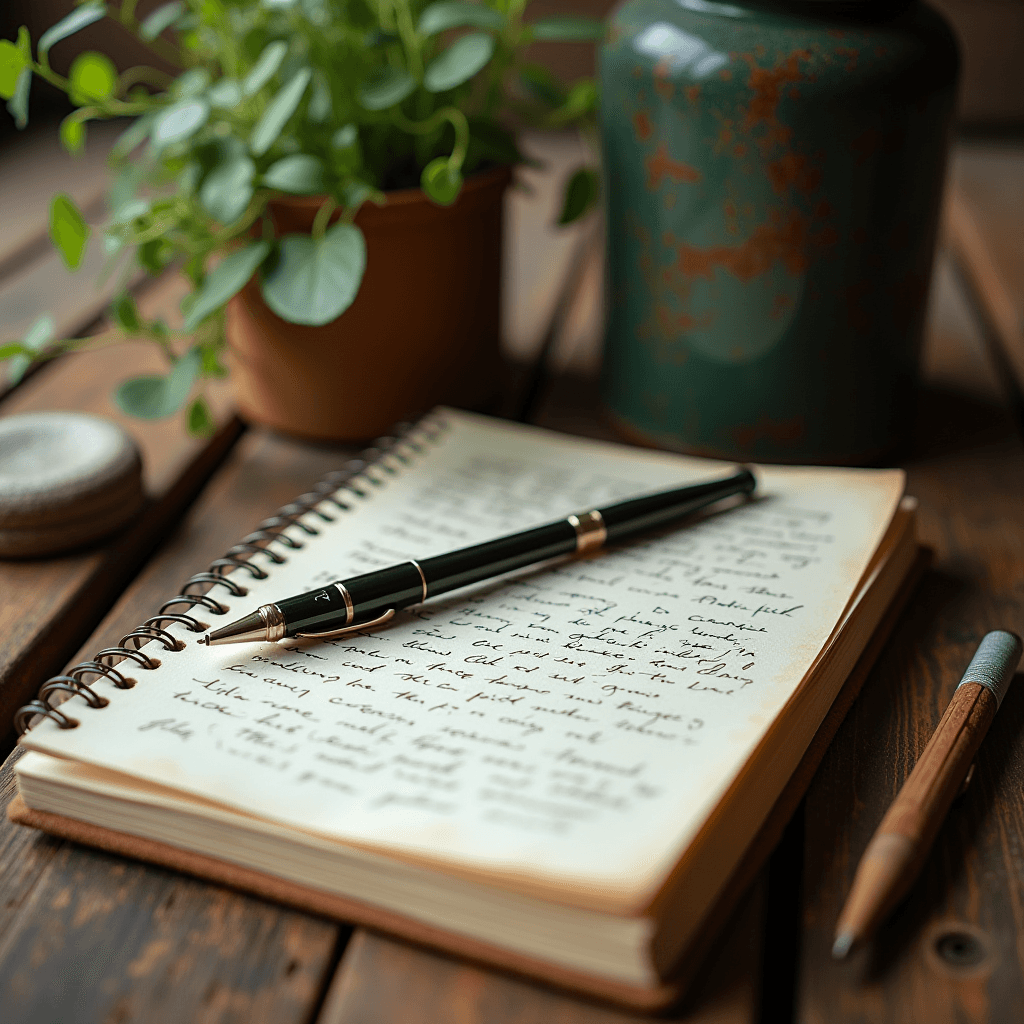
{"points": [[340, 98]]}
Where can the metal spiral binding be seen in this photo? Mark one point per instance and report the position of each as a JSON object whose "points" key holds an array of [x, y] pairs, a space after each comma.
{"points": [[342, 488]]}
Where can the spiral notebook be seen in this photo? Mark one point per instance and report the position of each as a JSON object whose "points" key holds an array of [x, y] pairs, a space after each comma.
{"points": [[558, 772]]}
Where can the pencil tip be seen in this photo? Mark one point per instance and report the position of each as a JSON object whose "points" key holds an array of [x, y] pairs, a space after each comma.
{"points": [[842, 946]]}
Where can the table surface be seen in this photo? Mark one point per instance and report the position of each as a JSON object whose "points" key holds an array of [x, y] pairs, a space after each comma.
{"points": [[89, 937]]}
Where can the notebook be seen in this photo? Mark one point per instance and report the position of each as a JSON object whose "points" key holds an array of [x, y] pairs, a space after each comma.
{"points": [[558, 772]]}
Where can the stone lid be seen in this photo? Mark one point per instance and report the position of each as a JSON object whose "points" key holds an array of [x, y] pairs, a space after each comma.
{"points": [[66, 478]]}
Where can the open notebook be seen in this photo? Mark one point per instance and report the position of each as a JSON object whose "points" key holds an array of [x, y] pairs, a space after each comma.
{"points": [[558, 771]]}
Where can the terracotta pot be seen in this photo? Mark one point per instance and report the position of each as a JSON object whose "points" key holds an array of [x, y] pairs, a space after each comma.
{"points": [[423, 329]]}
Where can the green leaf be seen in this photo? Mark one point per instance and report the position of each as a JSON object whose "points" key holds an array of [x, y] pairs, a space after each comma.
{"points": [[191, 83], [17, 105], [68, 230], [12, 63], [582, 100], [93, 78], [301, 174], [211, 363], [542, 84], [124, 188], [162, 18], [188, 179], [39, 334], [134, 135], [355, 193], [31, 345], [72, 134], [446, 14], [78, 19], [180, 121], [153, 398], [14, 348], [227, 189], [568, 29], [224, 281], [155, 254], [112, 244], [265, 67], [278, 111], [459, 63], [200, 420], [224, 94], [129, 211], [440, 183], [315, 281], [581, 193], [345, 137], [126, 314], [320, 105], [386, 87]]}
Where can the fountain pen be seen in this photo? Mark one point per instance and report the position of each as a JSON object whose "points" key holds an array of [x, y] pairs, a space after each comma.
{"points": [[367, 601]]}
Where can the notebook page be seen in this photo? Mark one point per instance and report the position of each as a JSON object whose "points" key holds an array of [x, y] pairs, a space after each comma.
{"points": [[575, 722]]}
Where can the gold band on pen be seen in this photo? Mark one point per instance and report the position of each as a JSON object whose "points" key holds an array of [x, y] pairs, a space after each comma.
{"points": [[423, 579], [590, 530], [350, 611], [273, 620]]}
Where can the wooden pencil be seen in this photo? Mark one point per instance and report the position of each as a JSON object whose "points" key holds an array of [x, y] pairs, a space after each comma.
{"points": [[900, 846]]}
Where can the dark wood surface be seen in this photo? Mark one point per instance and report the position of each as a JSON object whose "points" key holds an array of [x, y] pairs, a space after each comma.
{"points": [[968, 472], [89, 937]]}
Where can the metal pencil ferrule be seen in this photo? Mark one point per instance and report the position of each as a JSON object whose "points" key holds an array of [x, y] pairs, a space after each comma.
{"points": [[591, 531]]}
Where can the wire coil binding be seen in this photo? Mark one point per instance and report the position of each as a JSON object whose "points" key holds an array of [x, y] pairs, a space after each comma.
{"points": [[341, 488]]}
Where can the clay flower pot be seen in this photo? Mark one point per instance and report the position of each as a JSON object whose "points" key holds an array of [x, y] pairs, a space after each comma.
{"points": [[423, 330]]}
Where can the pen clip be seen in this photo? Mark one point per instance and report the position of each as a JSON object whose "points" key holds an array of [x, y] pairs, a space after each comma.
{"points": [[347, 630]]}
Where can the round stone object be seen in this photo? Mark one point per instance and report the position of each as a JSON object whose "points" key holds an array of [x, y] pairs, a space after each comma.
{"points": [[66, 479]]}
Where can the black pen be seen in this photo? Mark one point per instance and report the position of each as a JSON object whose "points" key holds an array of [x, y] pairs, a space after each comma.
{"points": [[366, 601]]}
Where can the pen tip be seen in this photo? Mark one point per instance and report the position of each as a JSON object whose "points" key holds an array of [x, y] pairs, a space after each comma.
{"points": [[842, 946], [205, 640]]}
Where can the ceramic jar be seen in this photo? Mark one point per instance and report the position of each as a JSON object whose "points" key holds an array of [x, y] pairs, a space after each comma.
{"points": [[774, 173]]}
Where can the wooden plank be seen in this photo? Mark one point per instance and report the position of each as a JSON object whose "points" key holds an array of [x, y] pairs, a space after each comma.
{"points": [[86, 936], [537, 251], [967, 469], [34, 281], [383, 980], [34, 167], [90, 937], [985, 225], [47, 606]]}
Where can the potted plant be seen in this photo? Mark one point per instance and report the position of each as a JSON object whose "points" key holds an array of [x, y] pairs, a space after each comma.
{"points": [[327, 174]]}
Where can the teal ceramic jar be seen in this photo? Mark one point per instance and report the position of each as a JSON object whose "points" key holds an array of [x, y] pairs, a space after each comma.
{"points": [[773, 179]]}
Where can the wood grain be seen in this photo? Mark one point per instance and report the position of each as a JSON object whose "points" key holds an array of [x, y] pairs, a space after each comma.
{"points": [[89, 937], [985, 225], [34, 167], [48, 606], [967, 469], [381, 979]]}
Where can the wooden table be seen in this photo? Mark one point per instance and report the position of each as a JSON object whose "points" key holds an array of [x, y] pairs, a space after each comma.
{"points": [[87, 937]]}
